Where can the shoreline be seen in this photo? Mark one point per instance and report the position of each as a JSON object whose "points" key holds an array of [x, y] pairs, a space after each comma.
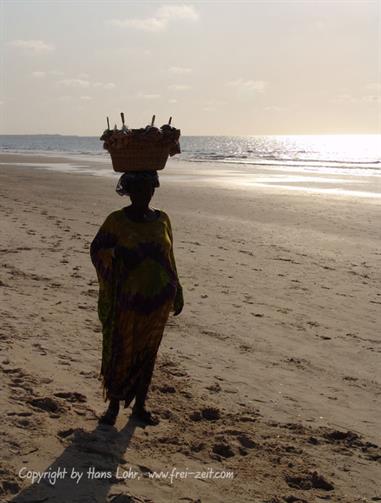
{"points": [[272, 179]]}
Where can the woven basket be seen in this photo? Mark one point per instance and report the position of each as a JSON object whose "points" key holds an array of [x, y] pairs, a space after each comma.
{"points": [[139, 157]]}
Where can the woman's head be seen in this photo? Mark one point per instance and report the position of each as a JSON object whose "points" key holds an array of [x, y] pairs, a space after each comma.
{"points": [[139, 185]]}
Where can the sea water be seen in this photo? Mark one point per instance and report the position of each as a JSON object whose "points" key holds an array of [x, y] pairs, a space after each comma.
{"points": [[356, 152]]}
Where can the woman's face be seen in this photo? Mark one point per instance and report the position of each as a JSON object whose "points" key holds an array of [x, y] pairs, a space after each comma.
{"points": [[141, 193]]}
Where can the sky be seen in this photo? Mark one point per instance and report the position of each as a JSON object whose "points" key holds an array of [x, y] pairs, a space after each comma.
{"points": [[216, 67]]}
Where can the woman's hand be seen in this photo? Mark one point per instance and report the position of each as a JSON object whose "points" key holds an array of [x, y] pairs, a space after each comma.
{"points": [[178, 303]]}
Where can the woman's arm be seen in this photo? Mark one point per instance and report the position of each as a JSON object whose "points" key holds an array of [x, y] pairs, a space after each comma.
{"points": [[178, 302], [102, 249]]}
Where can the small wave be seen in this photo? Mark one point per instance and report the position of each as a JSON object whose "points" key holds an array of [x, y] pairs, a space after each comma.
{"points": [[292, 164], [277, 159], [213, 157]]}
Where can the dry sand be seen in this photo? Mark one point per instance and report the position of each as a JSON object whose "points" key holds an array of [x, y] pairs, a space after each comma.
{"points": [[279, 337]]}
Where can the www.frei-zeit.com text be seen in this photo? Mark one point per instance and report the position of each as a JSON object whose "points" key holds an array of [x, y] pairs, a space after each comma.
{"points": [[53, 475]]}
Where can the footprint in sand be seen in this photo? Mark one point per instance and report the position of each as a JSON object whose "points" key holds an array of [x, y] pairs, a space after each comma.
{"points": [[309, 481], [64, 363], [22, 414], [215, 388], [76, 275], [284, 310], [20, 381], [40, 348], [246, 252], [71, 396], [24, 423], [86, 307], [196, 243], [166, 414], [46, 404], [217, 335], [197, 446], [208, 414], [352, 440], [245, 348], [89, 374], [245, 441], [83, 410], [298, 362], [55, 285], [222, 450], [313, 324], [90, 293], [167, 389]]}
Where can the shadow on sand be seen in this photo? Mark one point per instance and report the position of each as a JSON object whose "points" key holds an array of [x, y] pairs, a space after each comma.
{"points": [[101, 450]]}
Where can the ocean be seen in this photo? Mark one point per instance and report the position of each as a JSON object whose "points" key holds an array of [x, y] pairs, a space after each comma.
{"points": [[360, 153]]}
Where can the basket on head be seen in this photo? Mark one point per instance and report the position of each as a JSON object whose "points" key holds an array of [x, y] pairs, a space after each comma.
{"points": [[144, 149], [139, 157]]}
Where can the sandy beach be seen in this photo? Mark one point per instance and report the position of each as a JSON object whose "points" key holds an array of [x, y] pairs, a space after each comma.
{"points": [[270, 373]]}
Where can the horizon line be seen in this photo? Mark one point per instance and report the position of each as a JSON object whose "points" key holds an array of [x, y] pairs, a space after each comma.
{"points": [[203, 135]]}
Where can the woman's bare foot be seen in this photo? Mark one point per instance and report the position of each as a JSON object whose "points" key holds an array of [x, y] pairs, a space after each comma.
{"points": [[145, 416], [109, 417]]}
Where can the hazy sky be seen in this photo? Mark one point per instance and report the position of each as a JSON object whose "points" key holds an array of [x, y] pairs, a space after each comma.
{"points": [[254, 67]]}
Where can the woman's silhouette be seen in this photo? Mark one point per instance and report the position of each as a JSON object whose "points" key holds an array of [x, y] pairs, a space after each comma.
{"points": [[138, 288]]}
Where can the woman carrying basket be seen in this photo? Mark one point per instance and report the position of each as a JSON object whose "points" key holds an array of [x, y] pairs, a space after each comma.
{"points": [[138, 288]]}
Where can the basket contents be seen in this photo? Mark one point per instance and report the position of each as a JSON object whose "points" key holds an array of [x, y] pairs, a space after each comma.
{"points": [[141, 149]]}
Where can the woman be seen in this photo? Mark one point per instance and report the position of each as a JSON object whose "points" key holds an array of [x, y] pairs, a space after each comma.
{"points": [[138, 287]]}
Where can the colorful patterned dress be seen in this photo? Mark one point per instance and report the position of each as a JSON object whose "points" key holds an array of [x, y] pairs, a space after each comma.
{"points": [[138, 287]]}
